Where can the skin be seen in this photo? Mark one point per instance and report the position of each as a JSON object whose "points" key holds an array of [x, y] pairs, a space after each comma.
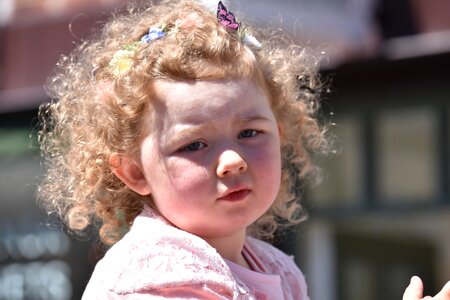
{"points": [[206, 140], [211, 160], [414, 291]]}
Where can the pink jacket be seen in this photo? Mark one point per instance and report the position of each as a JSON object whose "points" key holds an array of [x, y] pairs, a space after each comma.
{"points": [[155, 260]]}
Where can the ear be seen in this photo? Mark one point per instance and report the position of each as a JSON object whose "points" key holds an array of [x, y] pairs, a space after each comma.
{"points": [[130, 173]]}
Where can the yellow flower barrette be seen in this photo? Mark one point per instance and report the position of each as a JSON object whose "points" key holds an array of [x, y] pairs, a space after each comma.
{"points": [[122, 59]]}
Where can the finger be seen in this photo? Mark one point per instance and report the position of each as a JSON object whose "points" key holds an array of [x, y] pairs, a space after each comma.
{"points": [[444, 294], [414, 290]]}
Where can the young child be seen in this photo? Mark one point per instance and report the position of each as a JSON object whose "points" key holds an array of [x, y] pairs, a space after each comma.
{"points": [[182, 136]]}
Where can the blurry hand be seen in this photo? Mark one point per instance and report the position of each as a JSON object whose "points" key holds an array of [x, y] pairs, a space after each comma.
{"points": [[414, 291]]}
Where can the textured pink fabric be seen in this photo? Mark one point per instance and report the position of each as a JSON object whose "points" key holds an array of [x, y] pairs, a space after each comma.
{"points": [[263, 286], [158, 261]]}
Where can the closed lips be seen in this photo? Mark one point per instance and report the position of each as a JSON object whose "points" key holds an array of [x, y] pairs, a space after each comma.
{"points": [[236, 195]]}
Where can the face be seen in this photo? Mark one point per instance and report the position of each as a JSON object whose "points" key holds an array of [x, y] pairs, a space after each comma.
{"points": [[212, 158]]}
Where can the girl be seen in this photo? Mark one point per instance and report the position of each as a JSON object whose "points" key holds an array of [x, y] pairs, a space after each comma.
{"points": [[181, 135]]}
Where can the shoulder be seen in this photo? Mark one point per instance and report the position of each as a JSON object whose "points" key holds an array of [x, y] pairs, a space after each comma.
{"points": [[155, 256], [277, 262], [271, 255]]}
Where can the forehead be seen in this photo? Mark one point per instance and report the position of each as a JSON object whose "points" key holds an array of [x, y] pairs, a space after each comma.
{"points": [[212, 99]]}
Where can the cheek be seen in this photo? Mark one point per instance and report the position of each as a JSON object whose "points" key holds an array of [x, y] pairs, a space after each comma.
{"points": [[185, 176], [267, 164], [268, 155], [180, 193]]}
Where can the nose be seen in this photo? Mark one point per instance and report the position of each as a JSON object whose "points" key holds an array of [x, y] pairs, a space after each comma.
{"points": [[230, 163]]}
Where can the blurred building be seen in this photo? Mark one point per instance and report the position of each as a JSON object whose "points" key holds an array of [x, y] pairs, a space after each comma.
{"points": [[383, 211], [38, 260]]}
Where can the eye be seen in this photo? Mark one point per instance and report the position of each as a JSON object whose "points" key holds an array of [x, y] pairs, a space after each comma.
{"points": [[192, 147], [248, 133]]}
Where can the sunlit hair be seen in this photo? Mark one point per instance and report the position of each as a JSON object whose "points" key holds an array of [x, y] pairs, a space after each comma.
{"points": [[96, 113]]}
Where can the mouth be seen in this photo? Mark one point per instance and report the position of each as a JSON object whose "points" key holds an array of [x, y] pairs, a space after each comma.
{"points": [[234, 196]]}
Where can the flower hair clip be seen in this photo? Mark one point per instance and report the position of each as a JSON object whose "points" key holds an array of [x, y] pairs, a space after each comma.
{"points": [[122, 59], [154, 33]]}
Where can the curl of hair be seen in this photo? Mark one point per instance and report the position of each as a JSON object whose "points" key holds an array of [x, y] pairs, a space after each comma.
{"points": [[96, 113]]}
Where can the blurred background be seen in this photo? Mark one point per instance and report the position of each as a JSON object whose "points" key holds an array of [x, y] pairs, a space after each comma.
{"points": [[382, 213]]}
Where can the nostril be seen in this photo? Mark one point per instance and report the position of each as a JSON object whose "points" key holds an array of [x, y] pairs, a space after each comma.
{"points": [[230, 163]]}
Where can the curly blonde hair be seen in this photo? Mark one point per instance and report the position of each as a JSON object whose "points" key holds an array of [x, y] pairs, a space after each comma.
{"points": [[96, 112]]}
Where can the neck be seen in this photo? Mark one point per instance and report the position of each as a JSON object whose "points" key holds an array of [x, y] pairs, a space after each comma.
{"points": [[230, 247]]}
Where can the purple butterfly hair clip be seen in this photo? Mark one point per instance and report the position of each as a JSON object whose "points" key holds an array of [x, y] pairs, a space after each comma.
{"points": [[226, 18]]}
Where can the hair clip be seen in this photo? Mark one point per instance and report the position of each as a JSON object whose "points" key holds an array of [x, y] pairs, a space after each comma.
{"points": [[251, 41], [122, 60], [154, 33], [226, 18]]}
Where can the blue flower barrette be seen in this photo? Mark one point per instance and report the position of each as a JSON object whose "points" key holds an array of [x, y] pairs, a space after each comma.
{"points": [[154, 33], [122, 59]]}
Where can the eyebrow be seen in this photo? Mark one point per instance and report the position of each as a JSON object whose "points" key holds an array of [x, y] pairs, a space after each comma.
{"points": [[187, 131], [191, 129], [254, 118]]}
